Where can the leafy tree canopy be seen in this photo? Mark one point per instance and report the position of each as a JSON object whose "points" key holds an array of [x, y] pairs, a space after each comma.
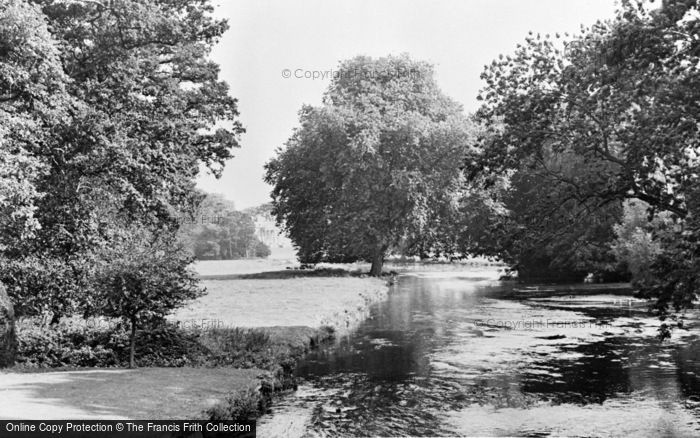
{"points": [[32, 96], [110, 109], [372, 165], [620, 101]]}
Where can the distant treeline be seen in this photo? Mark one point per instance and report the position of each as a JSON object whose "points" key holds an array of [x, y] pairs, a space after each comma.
{"points": [[219, 232]]}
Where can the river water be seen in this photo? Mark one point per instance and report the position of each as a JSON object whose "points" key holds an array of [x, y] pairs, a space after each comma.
{"points": [[461, 354]]}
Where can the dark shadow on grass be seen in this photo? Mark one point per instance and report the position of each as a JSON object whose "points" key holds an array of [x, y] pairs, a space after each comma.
{"points": [[288, 273], [570, 290]]}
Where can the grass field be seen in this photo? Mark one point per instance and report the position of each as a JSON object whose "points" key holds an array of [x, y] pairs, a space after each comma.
{"points": [[312, 301], [281, 258]]}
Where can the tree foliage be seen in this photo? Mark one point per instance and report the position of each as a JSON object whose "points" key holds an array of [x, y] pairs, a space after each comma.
{"points": [[142, 277], [635, 244], [108, 111], [32, 96], [151, 104], [372, 165], [620, 101]]}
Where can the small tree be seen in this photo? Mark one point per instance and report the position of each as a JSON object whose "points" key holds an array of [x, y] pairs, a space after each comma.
{"points": [[143, 278]]}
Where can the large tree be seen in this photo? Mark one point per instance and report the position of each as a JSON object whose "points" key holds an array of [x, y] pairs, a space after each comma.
{"points": [[622, 96], [153, 110], [145, 111], [372, 165], [623, 99]]}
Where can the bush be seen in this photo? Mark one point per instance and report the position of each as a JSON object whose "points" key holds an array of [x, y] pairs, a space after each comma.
{"points": [[101, 342], [261, 249], [67, 345], [236, 347], [167, 345], [242, 406], [8, 338]]}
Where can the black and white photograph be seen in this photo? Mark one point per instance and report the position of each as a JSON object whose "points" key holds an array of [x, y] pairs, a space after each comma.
{"points": [[357, 218]]}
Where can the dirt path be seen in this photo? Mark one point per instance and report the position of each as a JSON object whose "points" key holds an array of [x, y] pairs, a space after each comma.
{"points": [[118, 394]]}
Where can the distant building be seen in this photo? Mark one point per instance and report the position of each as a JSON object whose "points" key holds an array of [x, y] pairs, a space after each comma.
{"points": [[267, 231]]}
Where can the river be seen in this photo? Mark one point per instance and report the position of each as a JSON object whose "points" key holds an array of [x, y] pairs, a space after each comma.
{"points": [[462, 354]]}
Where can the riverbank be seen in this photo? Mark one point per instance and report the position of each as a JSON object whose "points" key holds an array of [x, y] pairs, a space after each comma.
{"points": [[225, 354], [297, 314]]}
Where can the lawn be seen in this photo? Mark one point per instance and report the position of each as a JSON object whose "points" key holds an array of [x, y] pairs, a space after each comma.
{"points": [[311, 301], [281, 258]]}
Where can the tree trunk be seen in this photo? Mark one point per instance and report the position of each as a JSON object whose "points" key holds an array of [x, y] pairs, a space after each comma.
{"points": [[377, 262], [132, 343]]}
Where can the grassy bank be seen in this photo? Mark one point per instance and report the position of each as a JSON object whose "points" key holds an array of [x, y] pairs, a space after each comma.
{"points": [[220, 373], [291, 344], [312, 301], [297, 310], [230, 351]]}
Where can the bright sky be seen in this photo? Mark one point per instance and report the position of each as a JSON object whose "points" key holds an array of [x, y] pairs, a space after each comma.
{"points": [[266, 37]]}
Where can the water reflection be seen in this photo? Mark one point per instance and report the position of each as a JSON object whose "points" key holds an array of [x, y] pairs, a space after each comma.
{"points": [[460, 353]]}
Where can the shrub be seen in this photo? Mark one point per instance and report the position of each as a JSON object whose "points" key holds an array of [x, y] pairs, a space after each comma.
{"points": [[166, 345], [103, 343], [241, 406], [260, 249], [67, 345], [242, 348]]}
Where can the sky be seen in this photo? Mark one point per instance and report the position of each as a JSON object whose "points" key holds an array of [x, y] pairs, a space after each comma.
{"points": [[266, 37]]}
